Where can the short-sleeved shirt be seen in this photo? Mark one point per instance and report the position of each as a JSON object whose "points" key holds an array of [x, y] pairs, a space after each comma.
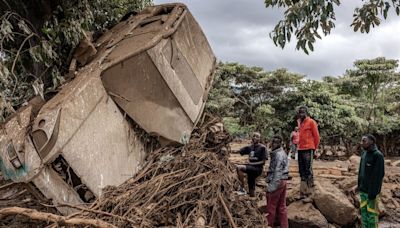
{"points": [[256, 153]]}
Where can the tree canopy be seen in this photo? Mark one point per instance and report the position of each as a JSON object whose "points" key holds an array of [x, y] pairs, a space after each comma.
{"points": [[305, 19]]}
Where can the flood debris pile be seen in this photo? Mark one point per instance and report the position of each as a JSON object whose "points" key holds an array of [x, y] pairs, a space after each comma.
{"points": [[189, 185], [21, 195]]}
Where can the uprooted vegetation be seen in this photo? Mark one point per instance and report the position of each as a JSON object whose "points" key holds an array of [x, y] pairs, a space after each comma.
{"points": [[178, 186]]}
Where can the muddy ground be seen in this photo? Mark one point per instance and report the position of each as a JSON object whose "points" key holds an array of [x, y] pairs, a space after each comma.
{"points": [[338, 172]]}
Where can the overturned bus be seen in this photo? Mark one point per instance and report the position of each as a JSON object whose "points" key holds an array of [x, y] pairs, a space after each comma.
{"points": [[152, 70]]}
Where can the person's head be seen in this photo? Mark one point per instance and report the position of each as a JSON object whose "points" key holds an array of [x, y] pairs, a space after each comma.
{"points": [[303, 112], [256, 138], [276, 142], [296, 129], [367, 141]]}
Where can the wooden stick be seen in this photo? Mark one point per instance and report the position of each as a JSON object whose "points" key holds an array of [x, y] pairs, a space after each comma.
{"points": [[7, 185], [227, 211], [43, 216], [91, 210]]}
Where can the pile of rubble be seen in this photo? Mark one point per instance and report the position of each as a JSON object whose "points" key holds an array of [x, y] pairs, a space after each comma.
{"points": [[178, 186], [24, 196]]}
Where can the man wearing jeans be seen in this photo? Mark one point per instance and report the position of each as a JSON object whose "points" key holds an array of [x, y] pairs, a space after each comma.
{"points": [[308, 144], [276, 179], [370, 176]]}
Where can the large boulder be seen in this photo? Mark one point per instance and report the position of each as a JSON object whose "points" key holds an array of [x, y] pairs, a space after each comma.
{"points": [[333, 204], [304, 215], [381, 208], [293, 191], [396, 163], [354, 163], [348, 183]]}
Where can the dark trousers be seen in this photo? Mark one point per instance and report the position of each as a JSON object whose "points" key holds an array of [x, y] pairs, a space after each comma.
{"points": [[305, 166]]}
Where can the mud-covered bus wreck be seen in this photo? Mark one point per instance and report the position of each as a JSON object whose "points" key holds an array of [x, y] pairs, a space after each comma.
{"points": [[154, 68]]}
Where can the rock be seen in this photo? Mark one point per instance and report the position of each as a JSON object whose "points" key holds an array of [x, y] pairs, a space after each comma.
{"points": [[386, 180], [385, 195], [396, 192], [396, 204], [293, 192], [354, 159], [394, 178], [381, 208], [304, 215], [341, 153], [354, 163], [396, 163], [333, 204], [348, 183], [329, 153], [388, 163]]}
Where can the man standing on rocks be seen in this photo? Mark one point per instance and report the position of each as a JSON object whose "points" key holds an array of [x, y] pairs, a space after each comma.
{"points": [[277, 176], [307, 146], [370, 176], [257, 156]]}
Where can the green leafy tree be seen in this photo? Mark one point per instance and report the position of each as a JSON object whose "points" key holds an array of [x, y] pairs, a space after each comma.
{"points": [[372, 81], [249, 98], [248, 92], [304, 19]]}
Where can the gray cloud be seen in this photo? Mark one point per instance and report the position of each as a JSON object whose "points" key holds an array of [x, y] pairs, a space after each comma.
{"points": [[238, 32]]}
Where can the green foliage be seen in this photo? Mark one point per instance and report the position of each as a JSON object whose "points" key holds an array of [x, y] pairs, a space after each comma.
{"points": [[250, 98], [373, 81], [235, 129], [304, 19], [37, 40]]}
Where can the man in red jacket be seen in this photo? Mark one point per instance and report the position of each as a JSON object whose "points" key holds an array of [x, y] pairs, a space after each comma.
{"points": [[307, 146]]}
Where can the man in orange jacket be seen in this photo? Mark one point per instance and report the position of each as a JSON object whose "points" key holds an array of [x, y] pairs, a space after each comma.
{"points": [[307, 146]]}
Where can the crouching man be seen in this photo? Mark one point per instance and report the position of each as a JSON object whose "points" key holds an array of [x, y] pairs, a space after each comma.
{"points": [[257, 156], [276, 179], [370, 176]]}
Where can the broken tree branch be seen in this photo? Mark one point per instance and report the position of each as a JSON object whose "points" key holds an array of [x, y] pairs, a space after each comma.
{"points": [[61, 220], [233, 224], [91, 210]]}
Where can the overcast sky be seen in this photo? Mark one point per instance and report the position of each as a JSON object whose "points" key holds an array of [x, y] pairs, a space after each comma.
{"points": [[238, 31]]}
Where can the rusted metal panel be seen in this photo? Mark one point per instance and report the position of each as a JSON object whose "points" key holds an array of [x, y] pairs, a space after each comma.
{"points": [[53, 187], [83, 124], [160, 72], [19, 160]]}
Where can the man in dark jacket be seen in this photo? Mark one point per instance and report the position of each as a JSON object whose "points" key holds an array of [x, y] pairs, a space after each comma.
{"points": [[257, 156], [370, 176]]}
